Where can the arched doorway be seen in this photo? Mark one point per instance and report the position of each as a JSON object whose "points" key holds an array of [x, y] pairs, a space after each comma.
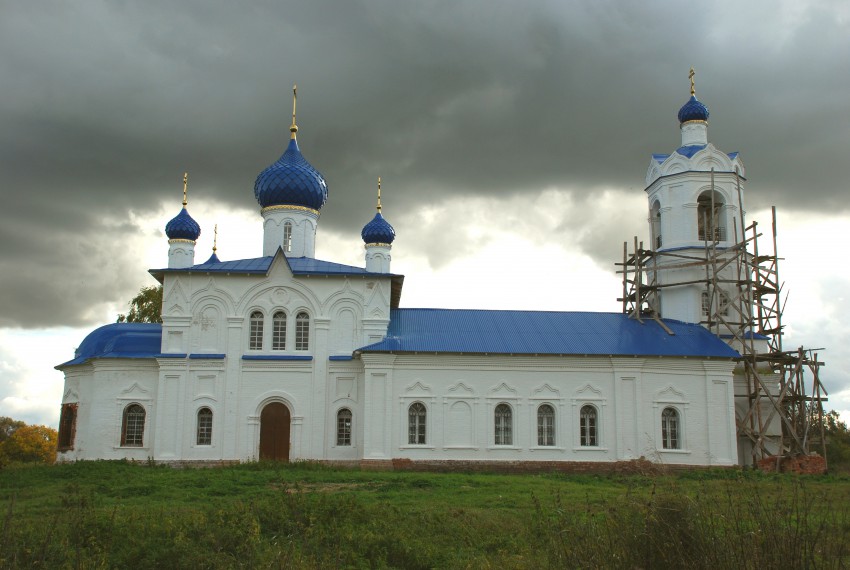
{"points": [[274, 432]]}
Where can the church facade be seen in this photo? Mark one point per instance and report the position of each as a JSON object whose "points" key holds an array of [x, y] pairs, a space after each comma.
{"points": [[288, 357]]}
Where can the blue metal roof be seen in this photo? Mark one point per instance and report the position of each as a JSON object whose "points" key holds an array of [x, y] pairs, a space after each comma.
{"points": [[261, 265], [690, 150], [119, 340], [543, 332]]}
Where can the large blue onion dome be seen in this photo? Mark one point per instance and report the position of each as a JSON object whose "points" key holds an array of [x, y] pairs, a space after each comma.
{"points": [[693, 110], [378, 231], [183, 226], [291, 181]]}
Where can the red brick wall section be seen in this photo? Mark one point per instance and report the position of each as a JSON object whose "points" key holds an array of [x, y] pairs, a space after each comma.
{"points": [[813, 464]]}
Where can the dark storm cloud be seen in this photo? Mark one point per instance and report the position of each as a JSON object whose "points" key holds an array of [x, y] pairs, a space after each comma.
{"points": [[104, 105]]}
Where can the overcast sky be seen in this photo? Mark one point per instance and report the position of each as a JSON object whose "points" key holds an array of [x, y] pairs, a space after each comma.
{"points": [[512, 138]]}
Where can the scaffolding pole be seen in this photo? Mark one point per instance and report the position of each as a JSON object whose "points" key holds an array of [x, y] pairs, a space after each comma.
{"points": [[783, 396]]}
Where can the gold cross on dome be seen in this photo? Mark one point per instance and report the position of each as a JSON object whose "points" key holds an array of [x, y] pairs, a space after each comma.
{"points": [[691, 77], [185, 184]]}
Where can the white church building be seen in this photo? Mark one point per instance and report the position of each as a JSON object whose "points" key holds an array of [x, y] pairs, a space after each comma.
{"points": [[288, 357]]}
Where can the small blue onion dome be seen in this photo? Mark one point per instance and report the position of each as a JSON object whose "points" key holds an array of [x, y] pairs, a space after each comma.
{"points": [[291, 181], [378, 231], [182, 226], [693, 110]]}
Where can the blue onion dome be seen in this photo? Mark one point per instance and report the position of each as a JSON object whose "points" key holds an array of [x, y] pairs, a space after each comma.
{"points": [[693, 110], [291, 181], [378, 231], [183, 226]]}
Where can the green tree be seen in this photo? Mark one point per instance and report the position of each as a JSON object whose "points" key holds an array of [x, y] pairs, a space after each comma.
{"points": [[8, 427], [146, 307], [30, 444], [837, 442]]}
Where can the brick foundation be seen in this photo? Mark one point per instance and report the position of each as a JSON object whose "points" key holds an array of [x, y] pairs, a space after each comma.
{"points": [[813, 464]]}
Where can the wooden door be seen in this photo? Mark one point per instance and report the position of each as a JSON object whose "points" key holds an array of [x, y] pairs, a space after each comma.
{"points": [[274, 432]]}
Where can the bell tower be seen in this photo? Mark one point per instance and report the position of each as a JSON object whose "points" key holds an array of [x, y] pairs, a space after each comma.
{"points": [[695, 200]]}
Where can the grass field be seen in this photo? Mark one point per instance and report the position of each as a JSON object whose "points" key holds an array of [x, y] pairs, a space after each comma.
{"points": [[123, 515]]}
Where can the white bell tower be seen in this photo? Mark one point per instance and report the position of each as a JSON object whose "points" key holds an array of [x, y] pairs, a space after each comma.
{"points": [[695, 199]]}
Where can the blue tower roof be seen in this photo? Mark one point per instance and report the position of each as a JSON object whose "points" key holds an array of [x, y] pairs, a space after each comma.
{"points": [[183, 226], [291, 181], [693, 110], [378, 231]]}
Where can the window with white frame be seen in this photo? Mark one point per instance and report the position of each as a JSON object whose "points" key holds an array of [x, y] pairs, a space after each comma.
{"points": [[670, 429], [343, 427], [416, 416], [503, 424], [723, 303], [588, 421], [255, 336], [545, 425], [279, 331], [133, 426], [302, 331], [204, 434]]}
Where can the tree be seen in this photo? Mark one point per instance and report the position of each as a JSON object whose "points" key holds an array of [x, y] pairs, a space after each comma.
{"points": [[30, 444], [837, 442], [146, 307], [8, 426]]}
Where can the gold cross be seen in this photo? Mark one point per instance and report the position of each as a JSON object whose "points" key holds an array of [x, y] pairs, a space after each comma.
{"points": [[185, 184], [294, 128], [691, 77]]}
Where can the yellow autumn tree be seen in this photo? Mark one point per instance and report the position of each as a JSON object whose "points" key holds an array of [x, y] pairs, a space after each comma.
{"points": [[29, 444]]}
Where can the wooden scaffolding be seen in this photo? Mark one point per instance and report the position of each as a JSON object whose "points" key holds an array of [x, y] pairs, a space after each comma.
{"points": [[782, 396]]}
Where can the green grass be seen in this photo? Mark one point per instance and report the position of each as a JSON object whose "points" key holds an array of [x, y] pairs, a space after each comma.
{"points": [[117, 514]]}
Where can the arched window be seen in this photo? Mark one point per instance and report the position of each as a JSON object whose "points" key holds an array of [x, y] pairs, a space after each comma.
{"points": [[416, 415], [279, 331], [587, 427], [67, 426], [670, 436], [302, 331], [287, 237], [255, 340], [343, 427], [503, 417], [133, 426], [710, 220], [205, 417], [545, 425], [655, 223]]}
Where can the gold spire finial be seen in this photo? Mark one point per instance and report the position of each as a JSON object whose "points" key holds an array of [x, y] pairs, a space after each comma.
{"points": [[185, 185], [691, 77], [215, 238], [379, 194], [294, 128]]}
